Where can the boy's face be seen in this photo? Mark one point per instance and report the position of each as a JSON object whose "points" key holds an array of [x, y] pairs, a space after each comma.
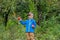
{"points": [[30, 16]]}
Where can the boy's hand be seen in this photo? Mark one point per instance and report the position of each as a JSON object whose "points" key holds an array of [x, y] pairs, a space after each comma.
{"points": [[32, 26]]}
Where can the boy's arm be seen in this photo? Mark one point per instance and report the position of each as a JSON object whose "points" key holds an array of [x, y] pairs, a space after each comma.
{"points": [[22, 22], [34, 24]]}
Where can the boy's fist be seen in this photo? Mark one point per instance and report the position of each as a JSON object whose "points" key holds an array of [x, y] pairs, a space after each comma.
{"points": [[32, 26]]}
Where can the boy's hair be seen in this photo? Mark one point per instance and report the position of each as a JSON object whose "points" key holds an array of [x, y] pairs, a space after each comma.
{"points": [[30, 13]]}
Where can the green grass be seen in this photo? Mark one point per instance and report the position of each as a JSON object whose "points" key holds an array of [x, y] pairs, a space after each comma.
{"points": [[48, 30]]}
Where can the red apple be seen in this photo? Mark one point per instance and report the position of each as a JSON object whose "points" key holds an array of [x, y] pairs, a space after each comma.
{"points": [[19, 18]]}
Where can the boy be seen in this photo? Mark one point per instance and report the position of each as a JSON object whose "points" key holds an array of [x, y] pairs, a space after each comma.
{"points": [[30, 26]]}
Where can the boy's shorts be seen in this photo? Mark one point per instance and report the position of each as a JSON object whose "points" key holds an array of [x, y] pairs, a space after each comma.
{"points": [[30, 35]]}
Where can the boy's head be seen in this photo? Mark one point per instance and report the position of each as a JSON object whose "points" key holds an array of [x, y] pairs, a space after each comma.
{"points": [[30, 15]]}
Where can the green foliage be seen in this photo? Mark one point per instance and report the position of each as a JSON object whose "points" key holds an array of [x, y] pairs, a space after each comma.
{"points": [[49, 28]]}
